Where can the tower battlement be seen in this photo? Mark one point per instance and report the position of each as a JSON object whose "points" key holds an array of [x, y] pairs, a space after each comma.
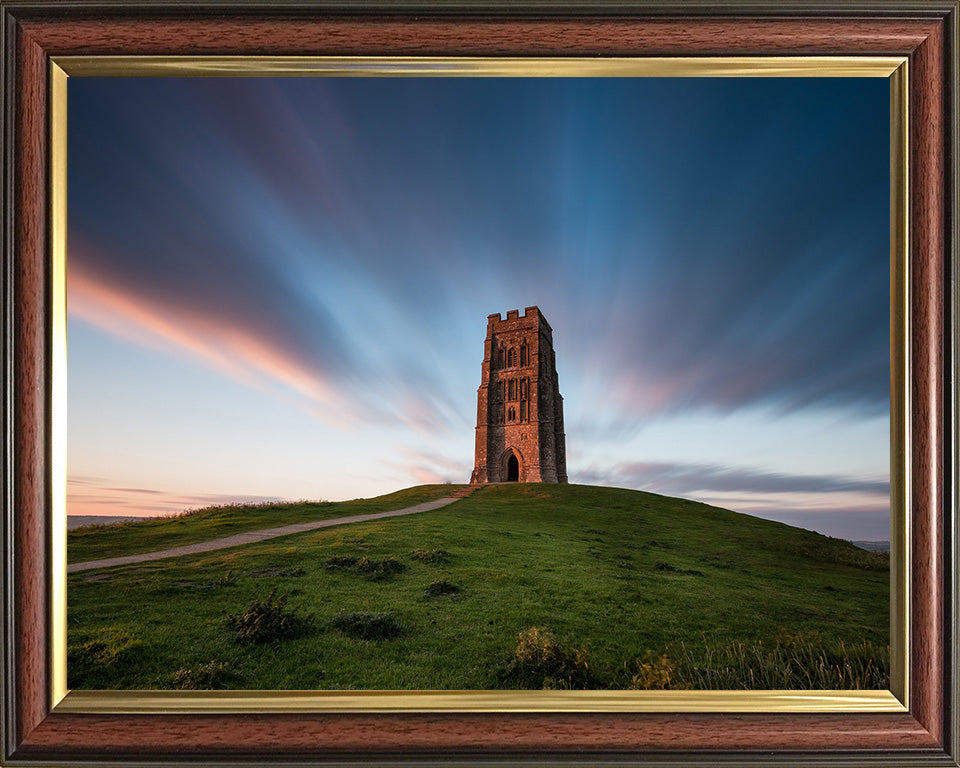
{"points": [[532, 316], [519, 408]]}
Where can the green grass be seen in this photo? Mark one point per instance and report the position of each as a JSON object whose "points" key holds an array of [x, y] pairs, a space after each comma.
{"points": [[644, 590], [96, 542]]}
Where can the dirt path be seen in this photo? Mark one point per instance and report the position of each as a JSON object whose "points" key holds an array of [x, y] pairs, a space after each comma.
{"points": [[262, 535]]}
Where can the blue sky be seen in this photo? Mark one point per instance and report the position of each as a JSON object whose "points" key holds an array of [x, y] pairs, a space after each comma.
{"points": [[278, 288]]}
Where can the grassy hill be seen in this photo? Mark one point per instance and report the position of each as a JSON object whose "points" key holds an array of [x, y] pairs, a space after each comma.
{"points": [[518, 585]]}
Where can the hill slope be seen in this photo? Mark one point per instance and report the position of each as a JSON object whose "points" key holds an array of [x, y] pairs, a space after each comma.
{"points": [[95, 542], [604, 587]]}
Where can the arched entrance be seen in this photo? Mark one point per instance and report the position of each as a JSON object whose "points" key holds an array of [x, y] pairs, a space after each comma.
{"points": [[511, 465], [513, 469]]}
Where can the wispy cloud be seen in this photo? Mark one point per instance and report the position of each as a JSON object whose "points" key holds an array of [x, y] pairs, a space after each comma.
{"points": [[90, 499], [430, 467], [203, 332], [327, 385], [681, 478]]}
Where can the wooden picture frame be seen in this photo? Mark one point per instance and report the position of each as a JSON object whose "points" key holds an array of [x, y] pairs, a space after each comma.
{"points": [[35, 33]]}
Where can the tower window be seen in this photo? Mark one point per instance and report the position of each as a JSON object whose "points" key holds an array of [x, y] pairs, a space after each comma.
{"points": [[524, 355], [512, 358], [512, 390], [523, 411], [500, 358], [512, 414]]}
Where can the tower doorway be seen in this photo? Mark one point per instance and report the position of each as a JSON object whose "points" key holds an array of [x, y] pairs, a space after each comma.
{"points": [[513, 469]]}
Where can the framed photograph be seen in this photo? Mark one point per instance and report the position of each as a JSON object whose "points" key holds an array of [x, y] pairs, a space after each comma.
{"points": [[284, 223]]}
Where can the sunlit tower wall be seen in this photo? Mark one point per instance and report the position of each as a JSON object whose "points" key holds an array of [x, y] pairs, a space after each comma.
{"points": [[520, 434]]}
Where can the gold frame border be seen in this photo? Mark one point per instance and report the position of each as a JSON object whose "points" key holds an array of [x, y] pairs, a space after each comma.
{"points": [[232, 702], [392, 702], [58, 384], [447, 66]]}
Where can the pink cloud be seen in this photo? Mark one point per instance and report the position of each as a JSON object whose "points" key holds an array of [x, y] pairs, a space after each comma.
{"points": [[237, 353]]}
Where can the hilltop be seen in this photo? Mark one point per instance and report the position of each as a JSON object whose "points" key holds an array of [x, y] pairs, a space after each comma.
{"points": [[518, 585]]}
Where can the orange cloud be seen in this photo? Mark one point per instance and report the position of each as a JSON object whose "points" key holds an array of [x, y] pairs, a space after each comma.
{"points": [[231, 351]]}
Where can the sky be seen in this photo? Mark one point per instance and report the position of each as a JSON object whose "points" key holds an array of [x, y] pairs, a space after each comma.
{"points": [[278, 288]]}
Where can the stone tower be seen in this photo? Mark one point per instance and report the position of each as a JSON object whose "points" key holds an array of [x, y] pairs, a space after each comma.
{"points": [[519, 408]]}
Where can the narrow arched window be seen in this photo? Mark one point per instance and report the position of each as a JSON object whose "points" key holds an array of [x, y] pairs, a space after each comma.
{"points": [[512, 414], [512, 390], [524, 355], [512, 358], [523, 411], [500, 358]]}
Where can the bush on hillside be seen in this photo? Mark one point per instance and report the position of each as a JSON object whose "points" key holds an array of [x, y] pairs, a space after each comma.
{"points": [[340, 562], [213, 676], [379, 569], [431, 556], [540, 660], [375, 570], [267, 621], [655, 673]]}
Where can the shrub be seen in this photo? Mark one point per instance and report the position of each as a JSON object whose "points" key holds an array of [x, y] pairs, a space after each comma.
{"points": [[268, 620], [542, 661], [215, 675], [431, 556], [441, 587], [655, 674], [379, 569], [371, 569], [369, 626]]}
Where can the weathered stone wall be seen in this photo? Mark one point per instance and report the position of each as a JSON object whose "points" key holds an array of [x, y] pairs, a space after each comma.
{"points": [[519, 407]]}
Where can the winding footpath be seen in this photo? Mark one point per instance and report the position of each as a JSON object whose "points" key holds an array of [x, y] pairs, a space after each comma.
{"points": [[262, 535]]}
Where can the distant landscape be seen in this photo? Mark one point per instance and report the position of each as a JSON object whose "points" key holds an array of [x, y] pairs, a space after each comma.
{"points": [[78, 521], [874, 546], [516, 586]]}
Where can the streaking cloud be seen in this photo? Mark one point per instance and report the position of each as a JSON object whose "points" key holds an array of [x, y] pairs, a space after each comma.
{"points": [[701, 247]]}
